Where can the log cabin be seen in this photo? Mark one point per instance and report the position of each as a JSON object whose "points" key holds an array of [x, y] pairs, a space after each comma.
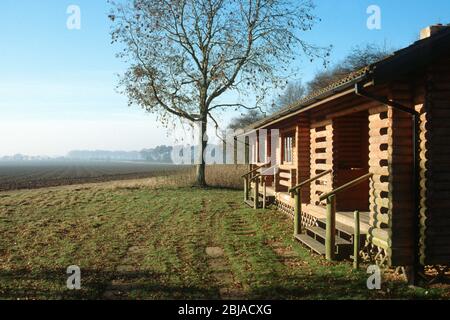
{"points": [[363, 165]]}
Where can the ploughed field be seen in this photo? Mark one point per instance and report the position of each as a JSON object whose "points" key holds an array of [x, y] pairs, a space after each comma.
{"points": [[38, 174]]}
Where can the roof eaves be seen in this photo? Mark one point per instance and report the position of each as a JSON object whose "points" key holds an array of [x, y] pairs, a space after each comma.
{"points": [[358, 75], [317, 96]]}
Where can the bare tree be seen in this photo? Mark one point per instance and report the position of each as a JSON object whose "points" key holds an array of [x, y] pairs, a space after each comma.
{"points": [[293, 93], [185, 54], [246, 119], [358, 58]]}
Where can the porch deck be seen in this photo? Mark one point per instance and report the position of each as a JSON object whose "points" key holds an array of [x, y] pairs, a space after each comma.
{"points": [[345, 218]]}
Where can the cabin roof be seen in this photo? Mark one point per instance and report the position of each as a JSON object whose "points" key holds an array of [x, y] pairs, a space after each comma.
{"points": [[413, 57]]}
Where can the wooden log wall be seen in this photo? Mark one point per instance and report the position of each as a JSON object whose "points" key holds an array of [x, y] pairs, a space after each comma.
{"points": [[435, 165], [351, 152], [321, 146], [401, 179], [379, 203], [303, 158]]}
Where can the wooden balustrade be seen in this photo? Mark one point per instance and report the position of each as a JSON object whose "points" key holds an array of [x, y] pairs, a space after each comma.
{"points": [[248, 177], [330, 197], [296, 191]]}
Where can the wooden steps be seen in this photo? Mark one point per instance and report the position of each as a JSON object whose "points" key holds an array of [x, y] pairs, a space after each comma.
{"points": [[340, 227], [321, 233], [314, 238], [311, 243], [344, 220], [249, 202], [270, 197]]}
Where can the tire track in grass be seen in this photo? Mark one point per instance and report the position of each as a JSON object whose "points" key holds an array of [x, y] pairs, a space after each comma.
{"points": [[129, 274], [224, 279], [174, 271], [261, 264]]}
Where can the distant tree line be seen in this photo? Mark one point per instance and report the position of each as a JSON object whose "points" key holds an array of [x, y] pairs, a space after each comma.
{"points": [[159, 154]]}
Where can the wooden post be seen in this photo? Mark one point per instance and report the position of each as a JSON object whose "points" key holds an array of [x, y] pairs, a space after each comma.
{"points": [[276, 182], [264, 191], [297, 213], [356, 239], [245, 188], [331, 228], [256, 194]]}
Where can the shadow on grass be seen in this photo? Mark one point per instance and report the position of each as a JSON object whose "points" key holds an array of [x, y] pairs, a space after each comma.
{"points": [[51, 284]]}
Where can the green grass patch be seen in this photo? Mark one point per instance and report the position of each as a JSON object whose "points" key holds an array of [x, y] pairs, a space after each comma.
{"points": [[162, 235]]}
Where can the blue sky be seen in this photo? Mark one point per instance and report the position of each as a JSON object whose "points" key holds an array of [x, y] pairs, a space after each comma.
{"points": [[57, 86]]}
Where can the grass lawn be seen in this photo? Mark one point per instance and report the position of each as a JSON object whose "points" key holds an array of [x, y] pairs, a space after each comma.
{"points": [[140, 242]]}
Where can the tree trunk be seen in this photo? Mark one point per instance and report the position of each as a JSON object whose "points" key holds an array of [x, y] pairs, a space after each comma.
{"points": [[201, 166]]}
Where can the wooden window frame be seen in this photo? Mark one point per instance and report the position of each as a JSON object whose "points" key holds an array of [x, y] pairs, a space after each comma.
{"points": [[284, 137]]}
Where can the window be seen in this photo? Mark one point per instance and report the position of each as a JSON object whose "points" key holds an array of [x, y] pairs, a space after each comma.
{"points": [[288, 145]]}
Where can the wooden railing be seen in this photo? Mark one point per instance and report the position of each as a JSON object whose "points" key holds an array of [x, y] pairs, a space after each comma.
{"points": [[285, 178], [256, 190], [248, 177], [296, 191], [266, 172], [330, 197]]}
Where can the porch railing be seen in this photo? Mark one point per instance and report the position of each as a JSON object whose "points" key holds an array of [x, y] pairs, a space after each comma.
{"points": [[286, 177], [248, 177], [296, 191], [330, 237]]}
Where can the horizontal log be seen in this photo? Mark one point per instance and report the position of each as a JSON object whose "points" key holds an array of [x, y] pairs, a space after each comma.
{"points": [[384, 202], [323, 123], [435, 259], [323, 167], [380, 218], [324, 144], [378, 163], [431, 203], [286, 175], [321, 156], [377, 140], [379, 243], [381, 186], [380, 178], [377, 110], [379, 124], [382, 234], [285, 183], [438, 250]]}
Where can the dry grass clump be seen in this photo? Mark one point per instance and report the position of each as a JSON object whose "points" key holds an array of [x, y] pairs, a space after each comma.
{"points": [[225, 176], [218, 176], [183, 178]]}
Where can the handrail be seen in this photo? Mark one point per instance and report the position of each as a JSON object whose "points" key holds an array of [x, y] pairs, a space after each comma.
{"points": [[346, 186], [263, 173], [293, 189], [255, 169], [257, 176], [330, 232]]}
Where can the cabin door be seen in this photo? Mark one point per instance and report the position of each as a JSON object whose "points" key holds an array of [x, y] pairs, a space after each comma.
{"points": [[351, 160]]}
